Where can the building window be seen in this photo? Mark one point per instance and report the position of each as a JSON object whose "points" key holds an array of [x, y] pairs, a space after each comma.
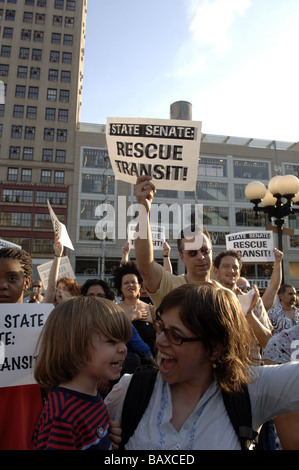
{"points": [[45, 176], [26, 175], [48, 134], [54, 56], [40, 18], [68, 40], [29, 2], [28, 153], [69, 22], [42, 245], [18, 111], [20, 91], [38, 36], [59, 177], [22, 71], [14, 153], [5, 51], [8, 33], [70, 5], [56, 38], [60, 156], [27, 17], [51, 94], [30, 132], [212, 167], [4, 70], [33, 92], [15, 219], [63, 115], [31, 112], [17, 195], [64, 96], [50, 114], [12, 174], [53, 75], [251, 170], [42, 3], [47, 155], [35, 73], [59, 4], [51, 196], [65, 76], [10, 15], [25, 35], [16, 132], [2, 108], [66, 57], [57, 20], [37, 54], [61, 135], [24, 53]]}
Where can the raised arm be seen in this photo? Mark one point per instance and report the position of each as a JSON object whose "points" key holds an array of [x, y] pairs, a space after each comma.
{"points": [[49, 296], [149, 269], [270, 293], [166, 259]]}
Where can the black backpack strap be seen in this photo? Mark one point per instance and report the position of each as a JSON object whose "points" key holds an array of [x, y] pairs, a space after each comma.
{"points": [[238, 408], [137, 397]]}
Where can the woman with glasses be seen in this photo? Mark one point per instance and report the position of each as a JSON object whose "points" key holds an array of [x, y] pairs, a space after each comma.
{"points": [[204, 347]]}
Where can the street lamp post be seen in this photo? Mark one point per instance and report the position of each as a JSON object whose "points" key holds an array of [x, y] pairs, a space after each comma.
{"points": [[277, 201]]}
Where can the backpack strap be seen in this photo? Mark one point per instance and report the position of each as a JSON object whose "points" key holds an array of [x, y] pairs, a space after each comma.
{"points": [[136, 400], [238, 408]]}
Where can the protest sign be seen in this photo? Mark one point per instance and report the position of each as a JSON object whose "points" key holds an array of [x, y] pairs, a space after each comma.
{"points": [[6, 244], [60, 229], [158, 235], [167, 150], [20, 326], [65, 270], [253, 246]]}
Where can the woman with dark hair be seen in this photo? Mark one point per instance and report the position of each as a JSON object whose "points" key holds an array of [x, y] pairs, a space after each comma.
{"points": [[20, 406], [98, 288], [128, 281], [204, 345]]}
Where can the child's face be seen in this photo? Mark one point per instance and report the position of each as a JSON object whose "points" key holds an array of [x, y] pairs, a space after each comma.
{"points": [[12, 281], [106, 358]]}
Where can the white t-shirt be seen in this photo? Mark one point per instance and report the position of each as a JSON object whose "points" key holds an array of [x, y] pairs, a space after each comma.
{"points": [[274, 391]]}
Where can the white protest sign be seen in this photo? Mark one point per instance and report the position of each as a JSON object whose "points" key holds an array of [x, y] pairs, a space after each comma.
{"points": [[158, 235], [60, 229], [65, 270], [20, 326], [165, 149], [255, 247], [5, 244]]}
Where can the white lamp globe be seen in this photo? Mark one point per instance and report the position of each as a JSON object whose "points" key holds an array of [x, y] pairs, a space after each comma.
{"points": [[255, 190], [289, 184]]}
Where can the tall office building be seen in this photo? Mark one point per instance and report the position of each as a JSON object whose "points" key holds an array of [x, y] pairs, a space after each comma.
{"points": [[41, 67]]}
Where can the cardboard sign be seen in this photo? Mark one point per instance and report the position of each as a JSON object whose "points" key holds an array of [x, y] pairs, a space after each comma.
{"points": [[166, 150], [5, 244], [158, 236], [253, 246], [20, 326], [65, 270], [60, 229]]}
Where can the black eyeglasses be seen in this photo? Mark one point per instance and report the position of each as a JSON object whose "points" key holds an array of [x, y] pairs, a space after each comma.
{"points": [[173, 337], [193, 253]]}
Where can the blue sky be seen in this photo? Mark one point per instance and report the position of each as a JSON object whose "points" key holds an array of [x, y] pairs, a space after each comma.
{"points": [[235, 61]]}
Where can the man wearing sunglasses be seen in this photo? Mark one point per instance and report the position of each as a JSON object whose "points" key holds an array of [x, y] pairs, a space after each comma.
{"points": [[194, 245]]}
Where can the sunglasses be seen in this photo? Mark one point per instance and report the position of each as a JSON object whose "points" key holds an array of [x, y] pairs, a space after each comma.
{"points": [[244, 288], [193, 253], [170, 335]]}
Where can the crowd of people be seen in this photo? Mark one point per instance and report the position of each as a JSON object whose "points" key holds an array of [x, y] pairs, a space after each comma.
{"points": [[194, 330]]}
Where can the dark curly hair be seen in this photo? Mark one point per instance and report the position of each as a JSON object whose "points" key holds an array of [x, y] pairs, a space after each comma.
{"points": [[22, 256], [98, 282], [123, 269]]}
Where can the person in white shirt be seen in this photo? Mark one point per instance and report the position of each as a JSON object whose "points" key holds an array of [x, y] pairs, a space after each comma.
{"points": [[204, 344]]}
